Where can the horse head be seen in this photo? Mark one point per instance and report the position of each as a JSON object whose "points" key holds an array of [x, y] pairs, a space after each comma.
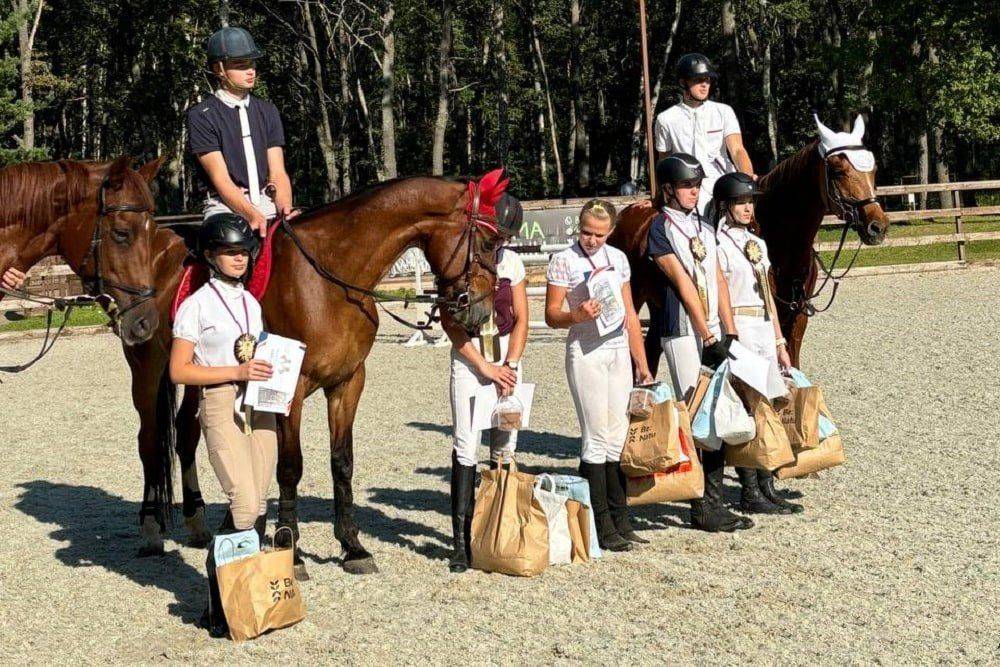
{"points": [[849, 181], [107, 240]]}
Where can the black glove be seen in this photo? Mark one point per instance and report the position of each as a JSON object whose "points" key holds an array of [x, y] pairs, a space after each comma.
{"points": [[728, 341], [713, 355]]}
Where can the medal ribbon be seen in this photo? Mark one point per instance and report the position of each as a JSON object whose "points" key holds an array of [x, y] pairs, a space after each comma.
{"points": [[699, 277], [763, 285], [246, 312]]}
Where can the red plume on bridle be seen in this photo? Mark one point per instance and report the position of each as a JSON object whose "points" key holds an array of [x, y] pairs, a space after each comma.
{"points": [[490, 187]]}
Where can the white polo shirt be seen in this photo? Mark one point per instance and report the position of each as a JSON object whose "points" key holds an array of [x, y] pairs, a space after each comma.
{"points": [[739, 272], [570, 268], [699, 131], [204, 320]]}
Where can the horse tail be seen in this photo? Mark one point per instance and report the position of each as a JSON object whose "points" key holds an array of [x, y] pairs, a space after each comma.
{"points": [[166, 441]]}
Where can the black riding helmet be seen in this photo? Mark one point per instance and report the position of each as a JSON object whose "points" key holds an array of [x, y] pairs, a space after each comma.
{"points": [[734, 186], [693, 65], [678, 167], [224, 231], [232, 43], [509, 215]]}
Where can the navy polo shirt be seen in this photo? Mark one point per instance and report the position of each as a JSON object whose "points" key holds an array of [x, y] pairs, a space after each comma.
{"points": [[658, 244], [212, 126]]}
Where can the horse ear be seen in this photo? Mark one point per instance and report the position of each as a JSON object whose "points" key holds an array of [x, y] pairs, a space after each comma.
{"points": [[859, 129], [118, 171], [828, 137], [149, 170]]}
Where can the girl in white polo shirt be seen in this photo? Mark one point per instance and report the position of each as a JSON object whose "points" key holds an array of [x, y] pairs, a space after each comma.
{"points": [[604, 340], [744, 262], [215, 335]]}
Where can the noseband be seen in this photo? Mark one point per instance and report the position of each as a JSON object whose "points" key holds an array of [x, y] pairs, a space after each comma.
{"points": [[96, 284], [477, 221]]}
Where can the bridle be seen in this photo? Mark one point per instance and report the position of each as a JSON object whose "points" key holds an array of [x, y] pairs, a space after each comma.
{"points": [[475, 223], [848, 209], [96, 284]]}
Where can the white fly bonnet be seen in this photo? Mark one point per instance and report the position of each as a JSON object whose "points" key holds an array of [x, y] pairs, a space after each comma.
{"points": [[848, 144]]}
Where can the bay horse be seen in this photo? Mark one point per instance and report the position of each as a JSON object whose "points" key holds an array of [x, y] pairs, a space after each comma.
{"points": [[814, 182]]}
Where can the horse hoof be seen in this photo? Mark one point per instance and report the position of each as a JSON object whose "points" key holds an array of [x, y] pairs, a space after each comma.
{"points": [[148, 550], [361, 566], [300, 573]]}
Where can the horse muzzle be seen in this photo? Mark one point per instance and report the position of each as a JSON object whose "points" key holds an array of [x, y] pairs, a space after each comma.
{"points": [[873, 225], [136, 326]]}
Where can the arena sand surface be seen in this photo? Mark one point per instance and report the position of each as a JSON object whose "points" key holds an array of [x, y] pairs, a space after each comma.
{"points": [[895, 560]]}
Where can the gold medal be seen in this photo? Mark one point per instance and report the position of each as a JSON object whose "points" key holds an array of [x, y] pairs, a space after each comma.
{"points": [[753, 252], [698, 249], [244, 348]]}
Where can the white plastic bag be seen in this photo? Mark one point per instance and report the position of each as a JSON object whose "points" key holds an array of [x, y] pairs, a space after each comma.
{"points": [[732, 423], [554, 506]]}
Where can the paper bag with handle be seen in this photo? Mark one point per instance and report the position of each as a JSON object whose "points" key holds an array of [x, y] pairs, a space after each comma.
{"points": [[769, 448], [579, 530], [684, 481], [652, 444], [800, 417], [259, 593]]}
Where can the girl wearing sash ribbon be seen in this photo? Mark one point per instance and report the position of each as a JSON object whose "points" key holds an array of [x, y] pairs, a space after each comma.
{"points": [[604, 341], [745, 265], [492, 356], [215, 336], [238, 138], [696, 307]]}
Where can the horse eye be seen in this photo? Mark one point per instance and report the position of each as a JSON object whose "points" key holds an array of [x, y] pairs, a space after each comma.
{"points": [[119, 235]]}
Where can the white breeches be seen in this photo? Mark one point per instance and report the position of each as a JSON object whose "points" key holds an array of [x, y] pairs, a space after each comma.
{"points": [[464, 384], [600, 382]]}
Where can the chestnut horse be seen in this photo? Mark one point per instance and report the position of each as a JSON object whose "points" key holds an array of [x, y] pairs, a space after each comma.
{"points": [[354, 241], [797, 194]]}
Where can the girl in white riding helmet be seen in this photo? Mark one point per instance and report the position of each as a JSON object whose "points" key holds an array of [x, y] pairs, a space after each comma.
{"points": [[745, 265], [604, 341]]}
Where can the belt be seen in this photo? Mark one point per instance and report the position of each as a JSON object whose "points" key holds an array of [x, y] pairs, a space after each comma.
{"points": [[749, 311]]}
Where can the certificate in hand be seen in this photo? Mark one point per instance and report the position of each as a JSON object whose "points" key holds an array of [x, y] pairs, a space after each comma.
{"points": [[606, 289], [285, 356]]}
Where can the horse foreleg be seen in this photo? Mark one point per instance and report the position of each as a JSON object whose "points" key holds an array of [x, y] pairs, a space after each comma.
{"points": [[289, 474], [146, 389], [798, 332], [342, 405], [188, 434]]}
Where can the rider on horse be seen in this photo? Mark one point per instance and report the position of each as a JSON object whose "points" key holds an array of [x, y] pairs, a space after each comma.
{"points": [[701, 127], [238, 138]]}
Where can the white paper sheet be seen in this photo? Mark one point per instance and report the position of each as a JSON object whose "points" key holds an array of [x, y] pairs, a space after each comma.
{"points": [[605, 288], [486, 400], [756, 371], [276, 394]]}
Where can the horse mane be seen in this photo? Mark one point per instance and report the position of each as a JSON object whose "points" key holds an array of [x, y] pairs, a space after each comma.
{"points": [[790, 169], [33, 194], [372, 193]]}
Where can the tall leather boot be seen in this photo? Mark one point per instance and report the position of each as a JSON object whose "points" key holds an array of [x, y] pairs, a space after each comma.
{"points": [[607, 533], [765, 481], [214, 618], [752, 501], [260, 525], [463, 482], [709, 513], [618, 503]]}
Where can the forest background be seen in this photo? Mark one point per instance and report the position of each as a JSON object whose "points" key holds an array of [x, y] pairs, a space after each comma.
{"points": [[375, 89]]}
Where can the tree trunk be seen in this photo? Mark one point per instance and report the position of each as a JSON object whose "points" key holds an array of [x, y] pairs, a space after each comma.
{"points": [[500, 71], [224, 13], [543, 168], [581, 150], [27, 28], [770, 103], [389, 93], [940, 155], [638, 147], [369, 132], [729, 61], [553, 130], [345, 97], [324, 131], [923, 166], [444, 78]]}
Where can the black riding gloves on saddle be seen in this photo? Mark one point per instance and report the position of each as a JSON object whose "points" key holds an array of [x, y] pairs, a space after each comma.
{"points": [[713, 355]]}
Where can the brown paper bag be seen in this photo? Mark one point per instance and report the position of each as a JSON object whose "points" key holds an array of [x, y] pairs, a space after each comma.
{"points": [[578, 515], [800, 417], [652, 444], [510, 532], [770, 448], [830, 453], [684, 481], [260, 593]]}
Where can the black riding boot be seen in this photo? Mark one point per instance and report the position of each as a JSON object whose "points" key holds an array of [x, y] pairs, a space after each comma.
{"points": [[709, 513], [765, 481], [214, 618], [752, 501], [618, 503], [260, 525], [463, 482], [607, 534]]}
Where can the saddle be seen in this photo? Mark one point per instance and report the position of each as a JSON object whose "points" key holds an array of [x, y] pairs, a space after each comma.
{"points": [[196, 273]]}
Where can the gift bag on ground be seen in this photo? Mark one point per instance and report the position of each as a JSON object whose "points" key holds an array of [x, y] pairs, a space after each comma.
{"points": [[682, 482], [260, 593], [554, 506], [732, 422], [769, 448], [826, 426], [510, 532], [830, 453], [652, 444], [703, 417], [800, 417], [579, 519], [578, 489]]}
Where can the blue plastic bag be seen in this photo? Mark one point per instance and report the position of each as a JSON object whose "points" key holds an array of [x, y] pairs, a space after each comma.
{"points": [[234, 546], [662, 391], [703, 424], [826, 427]]}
